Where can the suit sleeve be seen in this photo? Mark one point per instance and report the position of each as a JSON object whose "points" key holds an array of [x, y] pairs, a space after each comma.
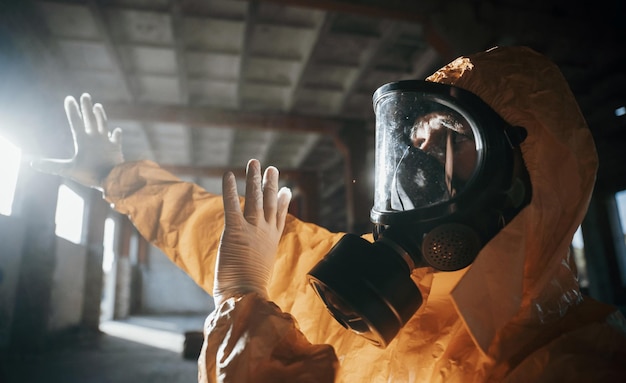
{"points": [[180, 218], [247, 338]]}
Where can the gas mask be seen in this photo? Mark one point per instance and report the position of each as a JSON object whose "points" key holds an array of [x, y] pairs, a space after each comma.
{"points": [[444, 186]]}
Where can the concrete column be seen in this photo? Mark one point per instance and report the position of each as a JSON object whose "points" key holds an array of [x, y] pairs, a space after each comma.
{"points": [[32, 298], [305, 203], [96, 215], [122, 288], [356, 142]]}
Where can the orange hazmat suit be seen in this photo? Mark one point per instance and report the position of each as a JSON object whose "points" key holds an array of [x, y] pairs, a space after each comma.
{"points": [[515, 315]]}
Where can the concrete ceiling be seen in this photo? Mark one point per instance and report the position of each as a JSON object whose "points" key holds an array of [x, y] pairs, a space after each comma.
{"points": [[201, 86]]}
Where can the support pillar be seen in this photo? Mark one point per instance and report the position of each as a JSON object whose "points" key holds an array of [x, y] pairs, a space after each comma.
{"points": [[355, 142], [34, 286], [96, 216]]}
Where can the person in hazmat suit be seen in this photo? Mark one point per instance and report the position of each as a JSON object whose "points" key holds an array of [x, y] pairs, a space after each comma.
{"points": [[483, 173]]}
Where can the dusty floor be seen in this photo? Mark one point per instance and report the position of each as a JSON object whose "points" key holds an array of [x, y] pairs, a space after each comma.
{"points": [[141, 349]]}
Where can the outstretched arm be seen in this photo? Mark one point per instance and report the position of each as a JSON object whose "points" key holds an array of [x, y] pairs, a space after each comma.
{"points": [[96, 149], [248, 338]]}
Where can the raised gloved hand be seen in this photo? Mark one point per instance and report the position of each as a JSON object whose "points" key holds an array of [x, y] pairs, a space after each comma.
{"points": [[96, 150], [247, 249]]}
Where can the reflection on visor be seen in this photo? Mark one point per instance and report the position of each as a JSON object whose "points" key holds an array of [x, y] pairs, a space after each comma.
{"points": [[447, 136], [439, 157], [417, 181], [428, 149]]}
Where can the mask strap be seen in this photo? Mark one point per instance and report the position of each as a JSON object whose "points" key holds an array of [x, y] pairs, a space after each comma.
{"points": [[515, 135], [395, 177], [449, 165]]}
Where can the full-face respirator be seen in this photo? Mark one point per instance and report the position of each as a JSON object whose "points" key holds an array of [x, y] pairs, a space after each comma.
{"points": [[444, 186]]}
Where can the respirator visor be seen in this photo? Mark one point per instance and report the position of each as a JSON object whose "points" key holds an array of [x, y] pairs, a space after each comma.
{"points": [[427, 150]]}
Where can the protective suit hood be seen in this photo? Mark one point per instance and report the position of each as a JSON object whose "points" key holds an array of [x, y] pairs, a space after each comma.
{"points": [[501, 319], [526, 271]]}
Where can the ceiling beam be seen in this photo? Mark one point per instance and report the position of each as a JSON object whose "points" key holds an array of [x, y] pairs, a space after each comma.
{"points": [[239, 172], [205, 117], [176, 20], [320, 30], [179, 47], [306, 149], [118, 67], [269, 148], [402, 10], [152, 146], [249, 26], [389, 30], [392, 9]]}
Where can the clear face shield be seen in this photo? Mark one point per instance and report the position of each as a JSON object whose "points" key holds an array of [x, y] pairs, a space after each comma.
{"points": [[443, 168], [426, 151]]}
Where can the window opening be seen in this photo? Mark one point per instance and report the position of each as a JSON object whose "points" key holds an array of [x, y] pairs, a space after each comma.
{"points": [[107, 302], [10, 158], [578, 250], [620, 199], [69, 215], [108, 245]]}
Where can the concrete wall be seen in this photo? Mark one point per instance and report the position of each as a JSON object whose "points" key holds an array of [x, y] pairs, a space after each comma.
{"points": [[11, 238], [123, 287], [166, 289], [35, 203], [68, 286], [66, 296]]}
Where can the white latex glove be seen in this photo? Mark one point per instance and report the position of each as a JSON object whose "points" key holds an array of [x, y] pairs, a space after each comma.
{"points": [[96, 150], [245, 257]]}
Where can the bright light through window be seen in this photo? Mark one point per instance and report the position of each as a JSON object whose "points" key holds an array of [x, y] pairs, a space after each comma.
{"points": [[69, 215], [621, 206], [10, 157], [108, 243], [578, 246], [620, 199], [577, 242]]}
